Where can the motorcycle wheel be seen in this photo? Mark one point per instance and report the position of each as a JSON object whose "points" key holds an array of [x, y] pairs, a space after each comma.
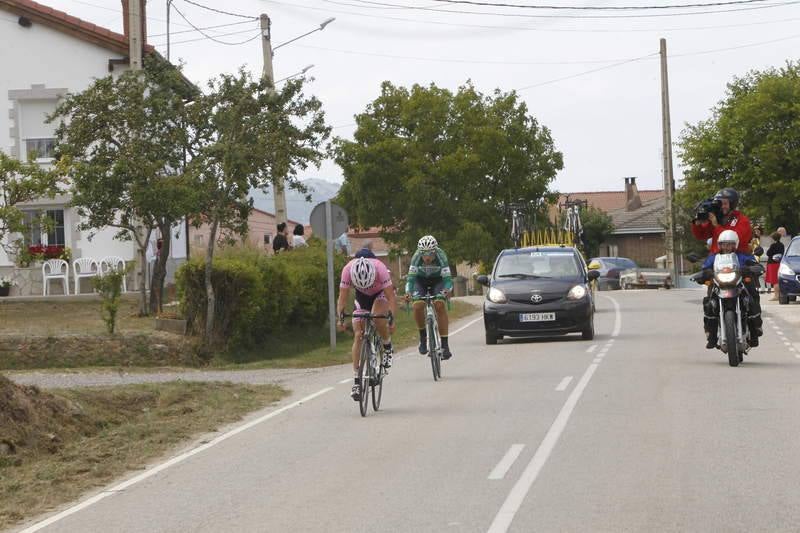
{"points": [[730, 337]]}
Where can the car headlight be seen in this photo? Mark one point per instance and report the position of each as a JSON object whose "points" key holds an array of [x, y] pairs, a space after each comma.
{"points": [[576, 293], [726, 277], [497, 296], [785, 270]]}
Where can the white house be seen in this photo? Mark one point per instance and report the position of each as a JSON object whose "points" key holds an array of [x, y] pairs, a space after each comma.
{"points": [[44, 54]]}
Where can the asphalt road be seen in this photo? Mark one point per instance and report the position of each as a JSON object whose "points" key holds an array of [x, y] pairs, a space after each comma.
{"points": [[641, 429]]}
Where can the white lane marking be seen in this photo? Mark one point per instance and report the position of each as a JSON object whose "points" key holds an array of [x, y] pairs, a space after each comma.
{"points": [[617, 317], [506, 462], [465, 326], [787, 343], [564, 384], [172, 462], [597, 360], [523, 485], [611, 341], [591, 348], [517, 495], [345, 381]]}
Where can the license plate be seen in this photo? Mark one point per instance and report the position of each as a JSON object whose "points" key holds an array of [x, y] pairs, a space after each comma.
{"points": [[537, 317]]}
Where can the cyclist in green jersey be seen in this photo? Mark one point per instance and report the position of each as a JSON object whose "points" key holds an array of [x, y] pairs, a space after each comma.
{"points": [[430, 273]]}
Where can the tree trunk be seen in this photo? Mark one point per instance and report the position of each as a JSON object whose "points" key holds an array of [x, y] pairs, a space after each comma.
{"points": [[143, 273], [160, 269], [211, 300]]}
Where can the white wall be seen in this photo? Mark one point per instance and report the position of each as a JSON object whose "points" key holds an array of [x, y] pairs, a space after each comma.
{"points": [[40, 55]]}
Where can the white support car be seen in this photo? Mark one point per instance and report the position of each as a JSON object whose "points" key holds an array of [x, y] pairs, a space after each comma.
{"points": [[645, 278]]}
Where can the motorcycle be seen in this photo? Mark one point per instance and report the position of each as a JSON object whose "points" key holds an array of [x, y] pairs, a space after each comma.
{"points": [[730, 301]]}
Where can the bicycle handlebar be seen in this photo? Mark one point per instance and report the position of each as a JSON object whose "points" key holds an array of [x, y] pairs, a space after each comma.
{"points": [[388, 316]]}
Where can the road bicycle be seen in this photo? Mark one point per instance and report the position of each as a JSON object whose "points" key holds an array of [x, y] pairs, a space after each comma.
{"points": [[517, 224], [370, 366], [434, 340]]}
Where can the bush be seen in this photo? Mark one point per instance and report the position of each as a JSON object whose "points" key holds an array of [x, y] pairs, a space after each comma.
{"points": [[257, 295], [109, 285]]}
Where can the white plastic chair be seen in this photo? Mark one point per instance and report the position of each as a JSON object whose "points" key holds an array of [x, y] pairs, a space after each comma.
{"points": [[85, 267], [55, 269], [114, 262]]}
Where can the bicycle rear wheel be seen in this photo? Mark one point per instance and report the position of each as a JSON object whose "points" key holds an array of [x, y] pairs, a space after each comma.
{"points": [[433, 352], [363, 374], [377, 385]]}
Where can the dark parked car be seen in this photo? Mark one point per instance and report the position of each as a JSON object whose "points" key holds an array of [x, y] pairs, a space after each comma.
{"points": [[789, 273], [610, 268], [538, 291]]}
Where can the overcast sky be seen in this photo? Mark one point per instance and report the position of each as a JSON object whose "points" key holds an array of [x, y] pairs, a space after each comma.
{"points": [[607, 123]]}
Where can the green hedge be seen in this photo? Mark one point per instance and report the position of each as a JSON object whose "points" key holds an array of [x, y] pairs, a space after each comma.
{"points": [[257, 294]]}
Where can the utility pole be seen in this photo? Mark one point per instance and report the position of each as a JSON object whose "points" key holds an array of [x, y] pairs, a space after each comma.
{"points": [[669, 182], [268, 74], [135, 44]]}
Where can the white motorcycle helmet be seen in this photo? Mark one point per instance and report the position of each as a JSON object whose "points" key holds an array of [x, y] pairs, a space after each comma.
{"points": [[363, 273], [728, 237], [427, 243]]}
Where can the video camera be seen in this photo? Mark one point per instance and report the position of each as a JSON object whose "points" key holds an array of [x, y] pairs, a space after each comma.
{"points": [[709, 205]]}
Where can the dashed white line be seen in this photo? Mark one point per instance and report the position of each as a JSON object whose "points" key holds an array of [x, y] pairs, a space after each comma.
{"points": [[348, 380], [517, 495], [506, 462], [591, 348], [172, 462], [564, 384], [597, 360], [502, 521]]}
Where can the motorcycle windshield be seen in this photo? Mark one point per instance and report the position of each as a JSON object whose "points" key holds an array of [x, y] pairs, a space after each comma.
{"points": [[726, 263]]}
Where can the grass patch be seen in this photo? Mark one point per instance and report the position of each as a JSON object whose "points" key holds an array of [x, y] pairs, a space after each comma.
{"points": [[55, 446], [76, 317], [311, 348]]}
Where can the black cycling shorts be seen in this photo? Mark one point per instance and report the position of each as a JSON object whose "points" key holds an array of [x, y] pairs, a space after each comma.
{"points": [[424, 286]]}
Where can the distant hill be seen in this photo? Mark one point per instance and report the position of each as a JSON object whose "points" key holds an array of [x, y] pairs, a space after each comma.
{"points": [[296, 205]]}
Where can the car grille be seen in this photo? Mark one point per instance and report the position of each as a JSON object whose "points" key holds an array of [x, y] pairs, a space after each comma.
{"points": [[526, 299]]}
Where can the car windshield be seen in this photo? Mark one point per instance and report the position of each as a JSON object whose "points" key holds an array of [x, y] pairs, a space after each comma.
{"points": [[537, 265], [620, 262], [794, 249]]}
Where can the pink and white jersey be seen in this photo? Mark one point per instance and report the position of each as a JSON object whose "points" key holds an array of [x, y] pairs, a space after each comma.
{"points": [[382, 278]]}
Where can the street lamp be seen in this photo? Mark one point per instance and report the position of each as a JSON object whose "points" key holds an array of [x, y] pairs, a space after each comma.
{"points": [[309, 67]]}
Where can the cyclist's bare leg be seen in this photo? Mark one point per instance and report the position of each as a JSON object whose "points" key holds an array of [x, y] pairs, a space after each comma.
{"points": [[358, 330], [381, 307], [419, 314], [441, 317]]}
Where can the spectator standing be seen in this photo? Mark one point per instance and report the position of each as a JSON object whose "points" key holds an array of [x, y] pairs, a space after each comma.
{"points": [[775, 249], [280, 242], [366, 250], [298, 240]]}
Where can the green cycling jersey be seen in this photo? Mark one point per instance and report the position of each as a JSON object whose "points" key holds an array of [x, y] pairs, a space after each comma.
{"points": [[438, 268]]}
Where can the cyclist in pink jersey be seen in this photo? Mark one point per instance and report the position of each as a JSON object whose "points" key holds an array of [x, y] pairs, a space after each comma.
{"points": [[374, 293]]}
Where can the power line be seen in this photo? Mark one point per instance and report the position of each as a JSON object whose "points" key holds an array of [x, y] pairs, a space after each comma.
{"points": [[598, 8], [592, 71], [528, 28], [204, 28], [207, 36], [459, 60], [250, 30], [650, 56], [220, 11], [559, 16]]}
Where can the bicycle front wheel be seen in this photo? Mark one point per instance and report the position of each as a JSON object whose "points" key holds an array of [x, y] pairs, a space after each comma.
{"points": [[433, 352], [363, 374], [377, 386]]}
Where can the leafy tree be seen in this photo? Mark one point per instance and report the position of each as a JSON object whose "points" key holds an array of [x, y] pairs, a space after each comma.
{"points": [[426, 160], [248, 135], [123, 141], [20, 182], [597, 228], [751, 142]]}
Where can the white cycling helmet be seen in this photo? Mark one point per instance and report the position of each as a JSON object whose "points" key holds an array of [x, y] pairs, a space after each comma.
{"points": [[427, 243], [729, 236], [363, 273]]}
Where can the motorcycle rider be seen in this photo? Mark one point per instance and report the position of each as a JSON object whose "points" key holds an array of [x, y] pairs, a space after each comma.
{"points": [[728, 242], [735, 221]]}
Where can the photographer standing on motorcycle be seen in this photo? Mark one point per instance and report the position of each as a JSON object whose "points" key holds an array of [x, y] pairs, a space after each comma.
{"points": [[714, 216]]}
